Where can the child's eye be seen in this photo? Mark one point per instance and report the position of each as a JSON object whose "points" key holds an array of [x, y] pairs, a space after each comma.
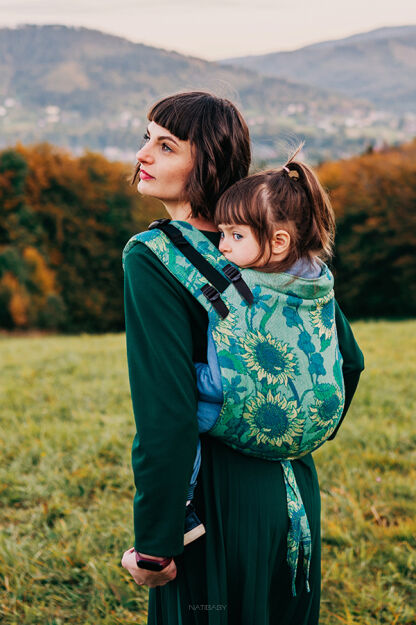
{"points": [[221, 234], [237, 236]]}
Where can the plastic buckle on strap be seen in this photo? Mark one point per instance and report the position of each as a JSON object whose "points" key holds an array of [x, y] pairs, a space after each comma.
{"points": [[236, 278], [232, 273], [174, 234], [157, 223], [210, 292], [214, 297]]}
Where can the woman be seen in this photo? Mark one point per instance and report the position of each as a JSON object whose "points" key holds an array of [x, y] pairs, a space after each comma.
{"points": [[196, 146]]}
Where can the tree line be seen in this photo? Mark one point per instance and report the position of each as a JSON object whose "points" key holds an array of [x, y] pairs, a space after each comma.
{"points": [[374, 198], [64, 221]]}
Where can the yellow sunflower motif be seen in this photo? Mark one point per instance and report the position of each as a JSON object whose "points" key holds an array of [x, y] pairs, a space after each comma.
{"points": [[209, 256], [327, 410], [322, 317], [274, 420], [271, 358], [224, 329], [160, 244]]}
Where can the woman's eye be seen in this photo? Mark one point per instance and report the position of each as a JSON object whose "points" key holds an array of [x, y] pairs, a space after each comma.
{"points": [[168, 149], [145, 139]]}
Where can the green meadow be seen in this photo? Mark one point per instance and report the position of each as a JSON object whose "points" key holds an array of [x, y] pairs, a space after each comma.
{"points": [[66, 485]]}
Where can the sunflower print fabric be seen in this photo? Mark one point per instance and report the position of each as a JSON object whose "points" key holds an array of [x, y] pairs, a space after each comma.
{"points": [[281, 368]]}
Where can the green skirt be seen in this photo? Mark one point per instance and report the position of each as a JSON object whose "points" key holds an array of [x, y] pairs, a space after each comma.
{"points": [[237, 573]]}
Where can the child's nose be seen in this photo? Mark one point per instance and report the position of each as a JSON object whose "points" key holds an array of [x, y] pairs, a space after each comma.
{"points": [[224, 247]]}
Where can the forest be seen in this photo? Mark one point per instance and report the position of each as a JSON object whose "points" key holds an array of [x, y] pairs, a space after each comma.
{"points": [[64, 221]]}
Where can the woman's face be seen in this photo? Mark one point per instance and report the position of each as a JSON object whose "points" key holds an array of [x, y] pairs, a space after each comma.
{"points": [[165, 164]]}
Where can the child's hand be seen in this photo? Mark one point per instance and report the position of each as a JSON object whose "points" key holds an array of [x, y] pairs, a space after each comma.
{"points": [[142, 577]]}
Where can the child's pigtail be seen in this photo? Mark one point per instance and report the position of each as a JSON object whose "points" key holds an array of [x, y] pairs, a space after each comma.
{"points": [[317, 227]]}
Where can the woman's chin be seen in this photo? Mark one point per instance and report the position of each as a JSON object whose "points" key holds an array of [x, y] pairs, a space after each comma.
{"points": [[144, 188]]}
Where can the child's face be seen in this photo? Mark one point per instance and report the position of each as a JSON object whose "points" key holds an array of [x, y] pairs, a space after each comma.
{"points": [[238, 244]]}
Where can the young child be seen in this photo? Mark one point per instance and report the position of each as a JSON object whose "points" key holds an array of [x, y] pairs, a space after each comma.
{"points": [[274, 221]]}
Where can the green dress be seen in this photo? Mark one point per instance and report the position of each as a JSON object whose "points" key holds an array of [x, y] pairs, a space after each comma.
{"points": [[236, 574]]}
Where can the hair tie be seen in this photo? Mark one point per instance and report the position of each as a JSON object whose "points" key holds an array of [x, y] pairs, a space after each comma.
{"points": [[286, 169]]}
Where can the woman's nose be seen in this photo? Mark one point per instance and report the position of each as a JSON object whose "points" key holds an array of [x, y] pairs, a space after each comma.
{"points": [[144, 155]]}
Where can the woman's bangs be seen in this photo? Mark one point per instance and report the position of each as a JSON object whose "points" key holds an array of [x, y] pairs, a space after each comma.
{"points": [[179, 114], [165, 115]]}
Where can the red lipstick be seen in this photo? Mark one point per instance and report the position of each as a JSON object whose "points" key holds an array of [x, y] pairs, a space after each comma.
{"points": [[145, 176]]}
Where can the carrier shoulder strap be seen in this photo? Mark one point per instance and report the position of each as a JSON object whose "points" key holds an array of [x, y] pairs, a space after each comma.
{"points": [[207, 260], [231, 272]]}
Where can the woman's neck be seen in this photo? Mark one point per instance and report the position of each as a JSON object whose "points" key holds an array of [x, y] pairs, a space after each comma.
{"points": [[183, 212]]}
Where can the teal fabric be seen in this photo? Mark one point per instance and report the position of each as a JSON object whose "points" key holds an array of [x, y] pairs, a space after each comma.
{"points": [[279, 358], [280, 364]]}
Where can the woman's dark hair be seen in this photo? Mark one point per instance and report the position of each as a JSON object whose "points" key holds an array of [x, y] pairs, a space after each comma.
{"points": [[220, 139], [292, 198]]}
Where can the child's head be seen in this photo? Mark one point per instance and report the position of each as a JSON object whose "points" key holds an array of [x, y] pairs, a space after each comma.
{"points": [[271, 219]]}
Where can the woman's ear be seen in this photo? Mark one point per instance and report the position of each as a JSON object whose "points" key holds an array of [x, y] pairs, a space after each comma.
{"points": [[280, 243]]}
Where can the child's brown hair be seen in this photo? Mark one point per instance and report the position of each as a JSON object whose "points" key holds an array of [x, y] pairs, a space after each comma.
{"points": [[291, 198]]}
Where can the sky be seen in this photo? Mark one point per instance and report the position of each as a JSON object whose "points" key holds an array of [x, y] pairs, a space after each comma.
{"points": [[215, 29]]}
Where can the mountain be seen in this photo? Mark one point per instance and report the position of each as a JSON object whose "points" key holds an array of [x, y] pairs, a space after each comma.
{"points": [[81, 88], [379, 66], [91, 72]]}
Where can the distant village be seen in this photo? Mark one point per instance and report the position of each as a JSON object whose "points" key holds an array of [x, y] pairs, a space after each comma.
{"points": [[359, 126]]}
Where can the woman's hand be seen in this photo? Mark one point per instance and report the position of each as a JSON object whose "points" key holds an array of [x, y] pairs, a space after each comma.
{"points": [[142, 577]]}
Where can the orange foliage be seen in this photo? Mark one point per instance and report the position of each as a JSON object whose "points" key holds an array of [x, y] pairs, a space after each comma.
{"points": [[374, 198], [70, 218], [42, 275], [65, 221], [19, 301]]}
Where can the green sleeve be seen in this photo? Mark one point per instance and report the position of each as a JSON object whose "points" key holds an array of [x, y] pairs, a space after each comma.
{"points": [[353, 360], [164, 396]]}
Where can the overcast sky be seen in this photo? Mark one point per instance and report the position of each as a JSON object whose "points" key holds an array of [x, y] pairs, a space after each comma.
{"points": [[214, 29]]}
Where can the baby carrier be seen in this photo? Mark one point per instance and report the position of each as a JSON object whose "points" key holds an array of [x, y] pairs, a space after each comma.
{"points": [[277, 348]]}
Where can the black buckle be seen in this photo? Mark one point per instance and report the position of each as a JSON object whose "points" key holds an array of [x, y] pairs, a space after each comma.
{"points": [[174, 234], [214, 297], [232, 273], [210, 292], [236, 278], [157, 223]]}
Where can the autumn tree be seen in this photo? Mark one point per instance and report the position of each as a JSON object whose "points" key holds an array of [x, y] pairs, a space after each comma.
{"points": [[65, 221], [374, 197]]}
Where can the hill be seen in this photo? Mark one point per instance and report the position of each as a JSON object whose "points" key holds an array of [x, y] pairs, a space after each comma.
{"points": [[80, 88], [379, 66], [92, 72]]}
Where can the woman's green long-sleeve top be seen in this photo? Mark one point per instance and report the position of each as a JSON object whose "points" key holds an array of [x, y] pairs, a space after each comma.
{"points": [[165, 334]]}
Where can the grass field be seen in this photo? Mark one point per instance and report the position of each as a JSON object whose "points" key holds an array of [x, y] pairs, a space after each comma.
{"points": [[66, 485]]}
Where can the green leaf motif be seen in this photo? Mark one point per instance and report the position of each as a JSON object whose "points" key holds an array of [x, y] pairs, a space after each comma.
{"points": [[267, 316], [324, 344], [337, 370], [324, 391], [229, 361]]}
